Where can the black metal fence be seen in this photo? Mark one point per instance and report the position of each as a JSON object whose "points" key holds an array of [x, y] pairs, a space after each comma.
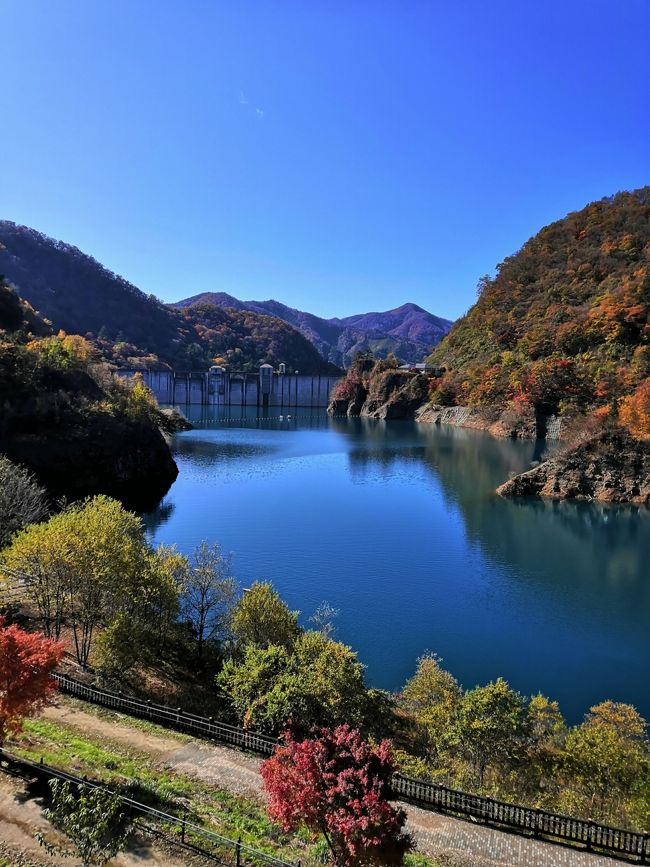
{"points": [[176, 718], [176, 829], [526, 820]]}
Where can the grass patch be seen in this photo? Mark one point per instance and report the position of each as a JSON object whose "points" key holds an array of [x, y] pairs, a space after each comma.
{"points": [[413, 859], [135, 773], [121, 719], [66, 748]]}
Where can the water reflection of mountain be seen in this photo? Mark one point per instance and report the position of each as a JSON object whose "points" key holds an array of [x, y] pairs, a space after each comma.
{"points": [[591, 543], [399, 526], [597, 546]]}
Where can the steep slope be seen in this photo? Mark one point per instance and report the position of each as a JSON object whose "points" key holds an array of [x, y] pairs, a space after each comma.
{"points": [[243, 339], [407, 331], [563, 330], [131, 329], [18, 317], [79, 295], [64, 417], [565, 323]]}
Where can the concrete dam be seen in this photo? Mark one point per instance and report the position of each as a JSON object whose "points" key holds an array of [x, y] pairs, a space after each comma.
{"points": [[220, 387]]}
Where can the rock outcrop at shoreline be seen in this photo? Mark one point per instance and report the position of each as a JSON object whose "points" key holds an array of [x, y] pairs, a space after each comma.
{"points": [[174, 420], [406, 402], [612, 467], [496, 422], [395, 394], [123, 459]]}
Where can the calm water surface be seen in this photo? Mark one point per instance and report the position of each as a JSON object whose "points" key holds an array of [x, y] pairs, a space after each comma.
{"points": [[397, 525]]}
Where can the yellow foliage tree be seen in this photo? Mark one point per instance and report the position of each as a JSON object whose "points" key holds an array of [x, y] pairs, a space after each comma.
{"points": [[64, 351], [433, 696], [262, 618], [607, 759], [634, 411], [91, 565], [141, 403]]}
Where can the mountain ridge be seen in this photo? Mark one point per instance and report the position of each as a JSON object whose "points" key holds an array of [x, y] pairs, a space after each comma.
{"points": [[79, 295], [409, 331]]}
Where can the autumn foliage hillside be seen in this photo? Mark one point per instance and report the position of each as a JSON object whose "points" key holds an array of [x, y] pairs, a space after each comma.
{"points": [[564, 324], [132, 330], [243, 340], [68, 420]]}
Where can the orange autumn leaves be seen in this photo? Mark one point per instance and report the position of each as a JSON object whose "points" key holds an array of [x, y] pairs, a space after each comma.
{"points": [[634, 411], [565, 322]]}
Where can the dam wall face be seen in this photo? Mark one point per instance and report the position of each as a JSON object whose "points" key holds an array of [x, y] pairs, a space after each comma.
{"points": [[219, 387]]}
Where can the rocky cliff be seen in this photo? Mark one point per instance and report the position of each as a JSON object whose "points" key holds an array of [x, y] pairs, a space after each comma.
{"points": [[522, 425], [402, 394], [125, 459], [390, 394], [612, 467]]}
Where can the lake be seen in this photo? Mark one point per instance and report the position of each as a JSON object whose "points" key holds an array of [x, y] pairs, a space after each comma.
{"points": [[397, 526]]}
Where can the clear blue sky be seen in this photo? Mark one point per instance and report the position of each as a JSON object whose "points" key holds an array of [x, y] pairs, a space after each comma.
{"points": [[338, 155]]}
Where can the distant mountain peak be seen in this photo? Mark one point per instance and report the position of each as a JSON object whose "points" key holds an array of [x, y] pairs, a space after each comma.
{"points": [[409, 330], [131, 329], [409, 305], [81, 295]]}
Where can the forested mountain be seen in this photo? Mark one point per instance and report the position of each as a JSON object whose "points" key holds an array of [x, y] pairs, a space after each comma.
{"points": [[63, 415], [18, 316], [131, 329], [242, 340], [80, 296], [565, 321], [407, 331]]}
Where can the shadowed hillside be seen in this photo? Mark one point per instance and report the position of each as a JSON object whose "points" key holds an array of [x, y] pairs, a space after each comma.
{"points": [[66, 418], [131, 329], [79, 295]]}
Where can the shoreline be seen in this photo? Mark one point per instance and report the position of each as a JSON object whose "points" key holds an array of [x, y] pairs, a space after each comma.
{"points": [[609, 467]]}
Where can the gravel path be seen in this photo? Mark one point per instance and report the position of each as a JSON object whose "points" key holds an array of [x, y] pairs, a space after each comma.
{"points": [[464, 843], [21, 817], [223, 767]]}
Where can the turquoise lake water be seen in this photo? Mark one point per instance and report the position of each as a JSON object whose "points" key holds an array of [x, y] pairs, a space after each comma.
{"points": [[397, 526]]}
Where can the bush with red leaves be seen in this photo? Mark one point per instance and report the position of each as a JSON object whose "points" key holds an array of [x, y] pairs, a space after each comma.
{"points": [[338, 784], [27, 660]]}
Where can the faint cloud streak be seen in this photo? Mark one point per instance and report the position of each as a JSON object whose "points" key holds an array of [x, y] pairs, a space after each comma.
{"points": [[244, 101]]}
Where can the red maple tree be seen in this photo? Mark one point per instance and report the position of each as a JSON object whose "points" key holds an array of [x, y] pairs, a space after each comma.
{"points": [[27, 660], [336, 783]]}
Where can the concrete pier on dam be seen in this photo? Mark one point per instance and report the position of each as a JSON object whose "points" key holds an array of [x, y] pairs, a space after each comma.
{"points": [[266, 388]]}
